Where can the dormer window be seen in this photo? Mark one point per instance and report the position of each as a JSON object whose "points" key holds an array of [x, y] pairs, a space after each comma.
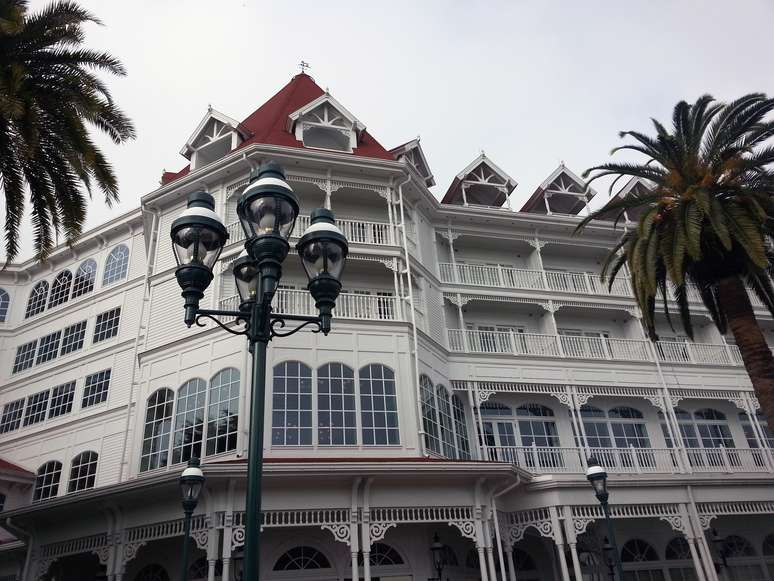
{"points": [[482, 183], [326, 124], [216, 136], [562, 192], [413, 154]]}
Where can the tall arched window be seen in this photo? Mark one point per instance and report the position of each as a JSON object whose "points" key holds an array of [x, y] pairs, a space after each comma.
{"points": [[189, 421], [336, 413], [379, 406], [678, 550], [302, 559], [749, 432], [628, 427], [47, 480], [5, 301], [429, 417], [596, 427], [37, 301], [736, 547], [445, 421], [158, 426], [84, 278], [116, 265], [537, 425], [461, 428], [383, 555], [223, 412], [637, 551], [60, 290], [713, 428], [83, 472], [291, 418]]}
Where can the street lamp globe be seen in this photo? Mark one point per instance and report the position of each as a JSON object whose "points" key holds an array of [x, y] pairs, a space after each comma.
{"points": [[246, 276], [323, 250], [198, 237], [597, 476], [191, 482], [436, 549]]}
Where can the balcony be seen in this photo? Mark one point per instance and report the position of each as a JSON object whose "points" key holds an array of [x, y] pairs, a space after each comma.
{"points": [[356, 231], [558, 460], [541, 345], [348, 305]]}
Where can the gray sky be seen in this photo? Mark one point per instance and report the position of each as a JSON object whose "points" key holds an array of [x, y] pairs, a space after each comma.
{"points": [[531, 83]]}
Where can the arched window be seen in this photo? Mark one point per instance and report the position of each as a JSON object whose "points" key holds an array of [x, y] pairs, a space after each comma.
{"points": [[291, 419], [536, 425], [189, 421], [628, 428], [158, 425], [47, 480], [596, 427], [37, 301], [461, 427], [336, 413], [379, 406], [713, 429], [749, 432], [83, 472], [152, 572], [199, 569], [382, 555], [5, 301], [494, 408], [429, 417], [60, 290], [735, 546], [445, 421], [223, 412], [116, 265], [637, 551], [678, 550], [522, 561], [84, 278], [302, 559]]}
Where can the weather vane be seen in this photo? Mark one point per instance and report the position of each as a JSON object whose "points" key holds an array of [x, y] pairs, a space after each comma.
{"points": [[303, 65]]}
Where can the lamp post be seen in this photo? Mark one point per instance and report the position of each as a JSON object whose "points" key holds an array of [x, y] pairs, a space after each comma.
{"points": [[191, 482], [436, 549], [720, 546], [607, 550], [267, 211], [597, 476]]}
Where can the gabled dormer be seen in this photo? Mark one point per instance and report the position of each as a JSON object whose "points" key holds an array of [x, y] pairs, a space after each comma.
{"points": [[326, 124], [562, 192], [634, 187], [482, 183], [215, 136], [413, 154]]}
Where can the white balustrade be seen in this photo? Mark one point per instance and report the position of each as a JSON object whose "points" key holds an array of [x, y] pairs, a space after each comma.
{"points": [[538, 459], [637, 460], [571, 282], [728, 459], [356, 231]]}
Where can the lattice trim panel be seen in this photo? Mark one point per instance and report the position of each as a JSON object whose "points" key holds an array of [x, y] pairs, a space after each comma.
{"points": [[74, 546], [517, 523], [423, 514], [163, 530], [467, 297], [298, 518]]}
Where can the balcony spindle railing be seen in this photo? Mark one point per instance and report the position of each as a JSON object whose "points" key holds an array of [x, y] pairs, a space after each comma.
{"points": [[356, 231]]}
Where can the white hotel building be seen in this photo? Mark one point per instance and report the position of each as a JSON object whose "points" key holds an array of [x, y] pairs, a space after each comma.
{"points": [[475, 362]]}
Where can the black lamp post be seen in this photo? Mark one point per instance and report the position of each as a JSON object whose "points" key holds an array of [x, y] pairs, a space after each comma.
{"points": [[608, 550], [191, 482], [436, 549], [267, 211], [597, 476]]}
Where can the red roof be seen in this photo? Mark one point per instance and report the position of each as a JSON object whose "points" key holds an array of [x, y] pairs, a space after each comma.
{"points": [[10, 467], [268, 124]]}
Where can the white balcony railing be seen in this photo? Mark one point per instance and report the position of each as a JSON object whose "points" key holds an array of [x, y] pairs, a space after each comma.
{"points": [[356, 231], [536, 344], [549, 460], [348, 305]]}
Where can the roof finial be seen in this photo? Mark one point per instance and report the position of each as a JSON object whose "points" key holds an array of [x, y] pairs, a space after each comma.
{"points": [[483, 153], [303, 65]]}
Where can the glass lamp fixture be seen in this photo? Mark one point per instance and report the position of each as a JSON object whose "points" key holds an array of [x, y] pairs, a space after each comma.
{"points": [[323, 250], [198, 237], [597, 476], [191, 482], [436, 550], [247, 276]]}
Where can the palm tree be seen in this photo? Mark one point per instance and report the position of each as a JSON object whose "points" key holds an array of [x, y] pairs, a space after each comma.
{"points": [[707, 220], [49, 95]]}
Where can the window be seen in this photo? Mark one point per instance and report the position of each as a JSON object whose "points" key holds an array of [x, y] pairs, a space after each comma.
{"points": [[595, 426], [292, 404], [326, 138], [379, 406], [60, 290], [429, 417], [336, 414], [47, 480], [107, 325], [37, 301], [461, 428], [84, 278], [158, 425], [223, 412], [95, 389], [735, 546], [83, 472], [116, 265], [5, 301], [445, 421], [189, 421], [534, 429], [677, 549], [12, 415], [628, 433], [61, 400], [749, 432], [72, 338], [636, 551], [383, 555], [37, 405], [25, 356], [152, 572], [49, 347], [301, 559]]}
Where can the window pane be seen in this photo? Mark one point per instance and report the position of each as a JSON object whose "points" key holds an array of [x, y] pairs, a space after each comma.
{"points": [[37, 405], [189, 421], [116, 265], [62, 400], [336, 421], [292, 395], [37, 301], [378, 403], [60, 290], [223, 412], [106, 325], [12, 416], [83, 472], [84, 278], [429, 415], [49, 347], [25, 356], [156, 434], [95, 389], [72, 337], [47, 481]]}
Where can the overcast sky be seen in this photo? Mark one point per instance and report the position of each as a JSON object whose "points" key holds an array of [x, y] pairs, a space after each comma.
{"points": [[530, 83]]}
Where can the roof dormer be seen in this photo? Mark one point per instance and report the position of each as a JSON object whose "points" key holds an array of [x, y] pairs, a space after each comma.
{"points": [[482, 183], [215, 136], [634, 187], [326, 124], [413, 154], [562, 192]]}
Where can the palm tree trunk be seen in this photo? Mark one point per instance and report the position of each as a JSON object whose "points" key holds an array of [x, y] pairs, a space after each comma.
{"points": [[756, 353]]}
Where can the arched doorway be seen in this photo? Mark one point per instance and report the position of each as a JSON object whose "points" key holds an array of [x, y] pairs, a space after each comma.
{"points": [[81, 567]]}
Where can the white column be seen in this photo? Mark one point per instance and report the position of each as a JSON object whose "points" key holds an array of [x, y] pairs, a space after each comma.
{"points": [[211, 569], [511, 567], [705, 555], [572, 540], [464, 195], [691, 539], [474, 416], [398, 296], [480, 550], [482, 438], [452, 255], [558, 540], [463, 330], [545, 201], [328, 190]]}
